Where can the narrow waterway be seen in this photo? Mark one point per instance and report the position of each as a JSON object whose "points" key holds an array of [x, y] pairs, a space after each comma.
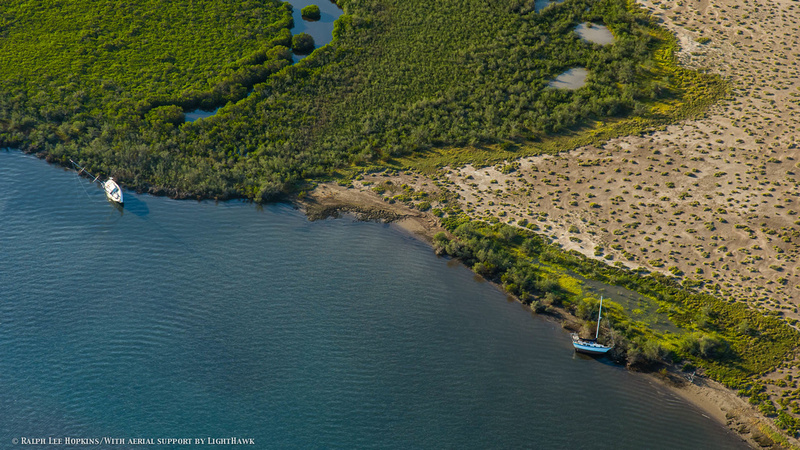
{"points": [[321, 30]]}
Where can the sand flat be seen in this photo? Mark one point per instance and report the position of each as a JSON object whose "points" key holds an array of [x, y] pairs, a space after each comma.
{"points": [[592, 32]]}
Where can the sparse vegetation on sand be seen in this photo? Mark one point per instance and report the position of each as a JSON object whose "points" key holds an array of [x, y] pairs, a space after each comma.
{"points": [[732, 343], [711, 334], [709, 202], [699, 218]]}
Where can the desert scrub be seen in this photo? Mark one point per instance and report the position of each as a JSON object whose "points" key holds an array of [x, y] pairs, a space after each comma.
{"points": [[711, 337]]}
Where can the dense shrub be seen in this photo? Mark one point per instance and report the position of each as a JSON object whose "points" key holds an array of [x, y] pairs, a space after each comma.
{"points": [[395, 82], [302, 43], [172, 114], [310, 12], [711, 333]]}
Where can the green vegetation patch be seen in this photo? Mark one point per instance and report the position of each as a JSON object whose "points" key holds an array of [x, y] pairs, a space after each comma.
{"points": [[732, 342], [302, 43], [310, 12], [79, 61], [671, 93], [401, 78]]}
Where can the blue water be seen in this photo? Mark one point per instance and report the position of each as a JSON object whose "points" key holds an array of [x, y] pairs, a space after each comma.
{"points": [[170, 319], [542, 4], [321, 30], [199, 114]]}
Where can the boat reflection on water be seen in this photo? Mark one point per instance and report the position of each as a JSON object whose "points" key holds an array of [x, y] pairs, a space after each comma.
{"points": [[119, 207]]}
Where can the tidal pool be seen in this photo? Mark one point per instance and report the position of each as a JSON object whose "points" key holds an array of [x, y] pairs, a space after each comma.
{"points": [[542, 4]]}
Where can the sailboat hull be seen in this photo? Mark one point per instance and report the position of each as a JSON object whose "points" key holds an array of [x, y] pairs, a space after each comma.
{"points": [[113, 191], [589, 347]]}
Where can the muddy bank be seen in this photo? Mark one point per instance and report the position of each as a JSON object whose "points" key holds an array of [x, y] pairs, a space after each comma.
{"points": [[721, 405], [332, 200]]}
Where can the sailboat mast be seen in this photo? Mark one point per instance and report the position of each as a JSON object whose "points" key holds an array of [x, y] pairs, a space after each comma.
{"points": [[84, 170], [599, 313]]}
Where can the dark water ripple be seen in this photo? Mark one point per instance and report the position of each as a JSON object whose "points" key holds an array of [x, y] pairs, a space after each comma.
{"points": [[199, 319]]}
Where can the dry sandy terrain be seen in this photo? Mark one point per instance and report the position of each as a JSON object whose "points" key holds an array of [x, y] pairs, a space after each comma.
{"points": [[713, 200]]}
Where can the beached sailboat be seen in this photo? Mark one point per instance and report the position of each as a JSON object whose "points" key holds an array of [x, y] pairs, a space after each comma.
{"points": [[112, 189], [591, 346]]}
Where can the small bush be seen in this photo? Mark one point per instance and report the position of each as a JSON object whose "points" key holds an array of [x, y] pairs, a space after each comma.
{"points": [[302, 43], [167, 114], [310, 12]]}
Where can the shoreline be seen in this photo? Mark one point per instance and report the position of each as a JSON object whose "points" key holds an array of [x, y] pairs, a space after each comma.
{"points": [[331, 200], [724, 406], [719, 403]]}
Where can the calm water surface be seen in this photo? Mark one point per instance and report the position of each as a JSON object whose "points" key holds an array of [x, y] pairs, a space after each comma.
{"points": [[195, 319], [539, 5], [321, 30]]}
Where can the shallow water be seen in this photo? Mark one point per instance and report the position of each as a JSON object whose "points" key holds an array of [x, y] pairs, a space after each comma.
{"points": [[636, 305], [572, 79], [199, 114], [200, 319], [542, 4], [321, 30], [599, 34]]}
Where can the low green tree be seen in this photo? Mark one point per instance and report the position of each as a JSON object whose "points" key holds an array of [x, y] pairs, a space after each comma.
{"points": [[302, 43], [167, 114], [310, 12]]}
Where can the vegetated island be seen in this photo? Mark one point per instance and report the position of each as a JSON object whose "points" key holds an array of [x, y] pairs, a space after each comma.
{"points": [[302, 43], [460, 92], [310, 12]]}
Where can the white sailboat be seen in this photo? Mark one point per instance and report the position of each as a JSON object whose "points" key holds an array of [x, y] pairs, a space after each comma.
{"points": [[591, 346], [112, 189]]}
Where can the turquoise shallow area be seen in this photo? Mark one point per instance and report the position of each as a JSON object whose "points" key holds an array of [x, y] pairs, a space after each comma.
{"points": [[171, 319]]}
